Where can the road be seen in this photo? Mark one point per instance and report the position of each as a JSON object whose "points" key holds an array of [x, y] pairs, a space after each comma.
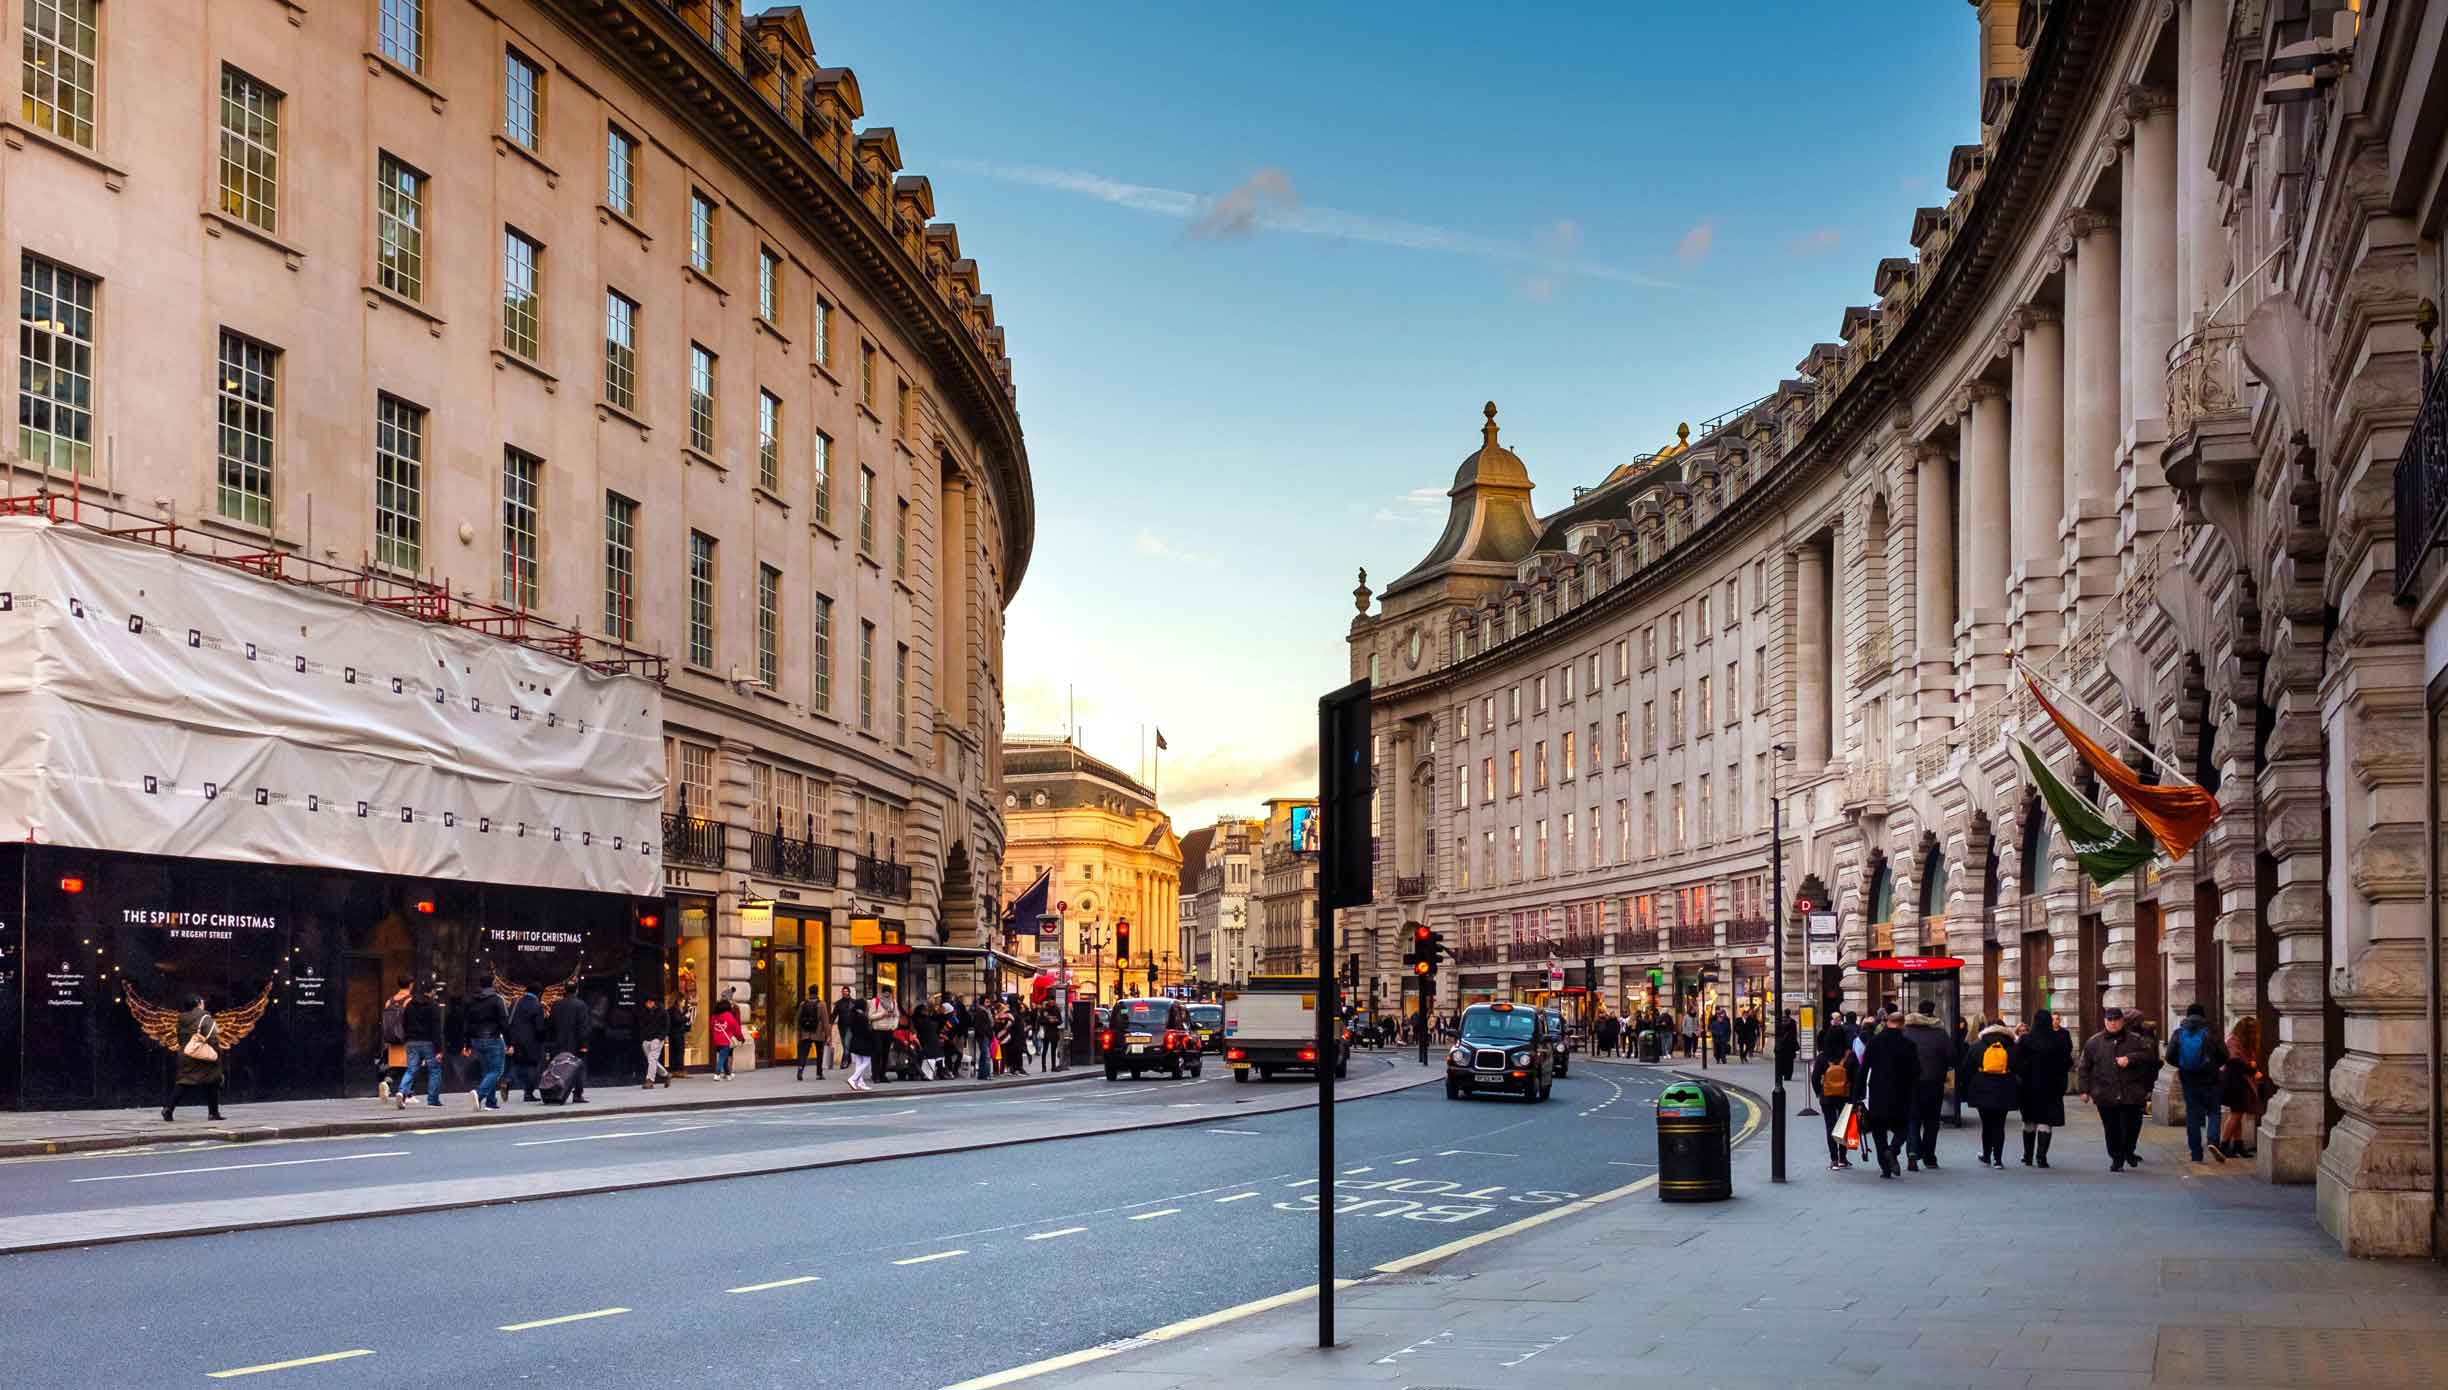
{"points": [[912, 1272]]}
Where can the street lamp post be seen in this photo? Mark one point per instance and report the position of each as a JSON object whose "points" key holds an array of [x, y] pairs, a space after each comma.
{"points": [[1776, 988]]}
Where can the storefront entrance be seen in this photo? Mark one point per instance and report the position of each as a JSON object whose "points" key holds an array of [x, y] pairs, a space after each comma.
{"points": [[782, 969], [688, 973]]}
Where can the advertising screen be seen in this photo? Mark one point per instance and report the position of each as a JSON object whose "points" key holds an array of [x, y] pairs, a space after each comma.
{"points": [[1304, 830]]}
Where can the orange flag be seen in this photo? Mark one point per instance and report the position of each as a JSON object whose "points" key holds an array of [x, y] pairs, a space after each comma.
{"points": [[2176, 815]]}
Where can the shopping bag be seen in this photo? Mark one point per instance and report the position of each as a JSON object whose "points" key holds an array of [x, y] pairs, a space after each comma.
{"points": [[1849, 1125]]}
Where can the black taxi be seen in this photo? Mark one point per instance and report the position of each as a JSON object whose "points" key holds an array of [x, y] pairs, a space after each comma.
{"points": [[1144, 1035], [1504, 1049], [1207, 1020]]}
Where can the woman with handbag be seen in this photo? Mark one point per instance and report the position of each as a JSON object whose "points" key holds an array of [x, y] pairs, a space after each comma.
{"points": [[727, 1032], [198, 1060], [2243, 1088]]}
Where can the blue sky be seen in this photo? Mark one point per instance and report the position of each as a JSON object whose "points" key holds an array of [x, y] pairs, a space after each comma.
{"points": [[1261, 264]]}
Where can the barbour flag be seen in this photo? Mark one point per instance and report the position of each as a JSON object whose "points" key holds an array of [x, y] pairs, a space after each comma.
{"points": [[2105, 852], [2177, 814]]}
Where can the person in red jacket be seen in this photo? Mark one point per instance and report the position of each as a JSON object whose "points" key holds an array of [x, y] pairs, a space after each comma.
{"points": [[727, 1032]]}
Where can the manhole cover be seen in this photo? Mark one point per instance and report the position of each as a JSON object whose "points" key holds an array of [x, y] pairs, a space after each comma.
{"points": [[2300, 1356]]}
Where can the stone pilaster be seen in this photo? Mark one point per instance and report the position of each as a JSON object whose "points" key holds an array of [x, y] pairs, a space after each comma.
{"points": [[2039, 481], [2292, 827], [1934, 593]]}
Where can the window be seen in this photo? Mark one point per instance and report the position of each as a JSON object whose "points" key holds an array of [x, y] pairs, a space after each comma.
{"points": [[1517, 862], [1623, 658], [247, 421], [701, 399], [620, 349], [399, 483], [1462, 863], [1542, 849], [1597, 839], [1592, 745], [522, 473], [1572, 843], [1649, 646], [400, 32], [901, 523], [1674, 718], [1733, 789], [1539, 764], [769, 285], [399, 228], [1708, 709], [522, 98], [1649, 821], [1570, 767], [1759, 680], [1487, 714], [902, 417], [1682, 829], [1513, 776], [1487, 856], [701, 233], [701, 600], [866, 677], [1623, 830], [250, 149], [1674, 633], [769, 626], [1566, 697], [1759, 584], [61, 77], [769, 441], [1733, 603], [901, 693], [620, 567], [620, 171], [867, 375], [1702, 626], [1733, 693], [522, 327], [821, 491], [1649, 741], [1513, 705], [866, 537], [823, 348], [822, 665], [1708, 820], [1538, 696], [1487, 779], [1623, 736], [1593, 672]]}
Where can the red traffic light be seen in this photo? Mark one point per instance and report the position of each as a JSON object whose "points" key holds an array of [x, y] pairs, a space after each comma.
{"points": [[648, 919], [1420, 932]]}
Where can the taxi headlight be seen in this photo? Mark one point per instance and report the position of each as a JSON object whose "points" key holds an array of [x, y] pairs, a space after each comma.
{"points": [[1522, 1058]]}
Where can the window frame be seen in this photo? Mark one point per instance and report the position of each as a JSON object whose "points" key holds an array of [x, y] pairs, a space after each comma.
{"points": [[769, 627], [399, 238], [246, 413], [701, 232], [522, 121], [74, 45], [620, 358], [396, 21], [703, 577], [620, 170], [397, 418], [620, 566], [522, 472], [256, 165], [703, 383], [522, 324]]}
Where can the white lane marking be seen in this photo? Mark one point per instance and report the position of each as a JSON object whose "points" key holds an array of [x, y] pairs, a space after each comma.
{"points": [[1168, 1332], [1237, 1131], [616, 1134], [1475, 1153], [1401, 1161], [1065, 1231], [1619, 1163], [234, 1167], [1355, 1172], [1152, 1215], [1184, 1104], [556, 1322], [930, 1259], [292, 1364], [1305, 1182], [777, 1284], [1236, 1197]]}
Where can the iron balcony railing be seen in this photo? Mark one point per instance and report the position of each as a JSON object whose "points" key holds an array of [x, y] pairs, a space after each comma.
{"points": [[693, 840], [1747, 931], [1641, 941], [1694, 936], [1588, 944], [2205, 376], [776, 855], [1484, 953], [2422, 485], [881, 878], [1411, 886]]}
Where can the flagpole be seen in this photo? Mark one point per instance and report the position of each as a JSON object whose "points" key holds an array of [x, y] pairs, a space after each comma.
{"points": [[2113, 731]]}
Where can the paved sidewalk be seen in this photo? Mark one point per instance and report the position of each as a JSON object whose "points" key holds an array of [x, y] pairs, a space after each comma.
{"points": [[2173, 1275], [27, 1132]]}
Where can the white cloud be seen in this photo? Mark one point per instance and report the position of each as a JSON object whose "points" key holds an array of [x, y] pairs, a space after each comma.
{"points": [[1235, 214], [1156, 547], [1812, 243], [1420, 503], [1694, 247]]}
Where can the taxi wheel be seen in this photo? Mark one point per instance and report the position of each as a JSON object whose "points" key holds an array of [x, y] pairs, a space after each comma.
{"points": [[1113, 1073], [1177, 1068], [1452, 1091]]}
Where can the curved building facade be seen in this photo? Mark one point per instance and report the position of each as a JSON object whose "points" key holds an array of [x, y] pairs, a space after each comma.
{"points": [[2153, 407], [603, 310]]}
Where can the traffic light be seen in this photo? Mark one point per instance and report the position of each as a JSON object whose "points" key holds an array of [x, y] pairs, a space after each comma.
{"points": [[1420, 966], [1434, 949], [1122, 939]]}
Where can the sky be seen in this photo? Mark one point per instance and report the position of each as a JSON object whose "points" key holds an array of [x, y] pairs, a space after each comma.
{"points": [[1260, 265]]}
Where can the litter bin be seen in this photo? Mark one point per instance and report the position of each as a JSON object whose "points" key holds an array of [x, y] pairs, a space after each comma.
{"points": [[1648, 1045], [1695, 1144]]}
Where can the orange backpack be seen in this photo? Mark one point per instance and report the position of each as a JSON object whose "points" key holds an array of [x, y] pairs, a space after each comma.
{"points": [[1834, 1081]]}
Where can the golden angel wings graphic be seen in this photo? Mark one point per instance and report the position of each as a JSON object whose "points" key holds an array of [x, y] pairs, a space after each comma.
{"points": [[161, 1025], [510, 990]]}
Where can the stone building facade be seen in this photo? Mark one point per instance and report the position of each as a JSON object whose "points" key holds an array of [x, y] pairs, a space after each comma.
{"points": [[1219, 905], [600, 309], [2152, 408], [1284, 907], [1115, 861]]}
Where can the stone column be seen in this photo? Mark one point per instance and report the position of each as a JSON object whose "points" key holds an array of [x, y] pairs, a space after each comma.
{"points": [[1811, 693], [2293, 824], [1934, 591], [2039, 481], [2093, 421], [2151, 306], [1988, 540], [2201, 27], [1405, 859]]}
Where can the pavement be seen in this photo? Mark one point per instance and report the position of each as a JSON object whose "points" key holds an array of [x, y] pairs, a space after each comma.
{"points": [[917, 1272], [426, 1159], [2173, 1275]]}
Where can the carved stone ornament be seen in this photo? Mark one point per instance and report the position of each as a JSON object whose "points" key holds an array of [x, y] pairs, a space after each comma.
{"points": [[2030, 316]]}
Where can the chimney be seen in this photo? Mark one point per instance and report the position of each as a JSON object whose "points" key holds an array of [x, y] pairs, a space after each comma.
{"points": [[2000, 55]]}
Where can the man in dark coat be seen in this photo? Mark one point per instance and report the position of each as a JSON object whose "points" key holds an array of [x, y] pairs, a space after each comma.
{"points": [[485, 1019], [2117, 1065], [573, 1026], [1891, 1067], [1936, 1057], [2044, 1058], [1788, 1045], [526, 1034]]}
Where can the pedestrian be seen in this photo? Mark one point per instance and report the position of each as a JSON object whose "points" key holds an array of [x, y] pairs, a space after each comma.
{"points": [[2198, 1057], [1788, 1046], [2116, 1079], [843, 1007], [979, 1017], [654, 1034], [1011, 1040], [853, 1032], [394, 1041], [421, 1025], [1721, 1035], [195, 1064], [1985, 1077], [1938, 1055], [815, 1030], [1747, 1034], [883, 1021], [1689, 1034], [726, 1032], [2044, 1058], [1891, 1076], [682, 1019], [2242, 1089], [487, 1018], [1606, 1035], [926, 1035], [573, 1028], [526, 1043], [1836, 1077]]}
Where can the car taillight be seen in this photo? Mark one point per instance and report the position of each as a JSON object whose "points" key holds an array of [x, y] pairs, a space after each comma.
{"points": [[1308, 1054], [1173, 1039], [1105, 1037], [1234, 1054]]}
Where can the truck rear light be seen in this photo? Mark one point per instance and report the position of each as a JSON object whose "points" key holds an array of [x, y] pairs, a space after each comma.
{"points": [[1234, 1054], [1308, 1054]]}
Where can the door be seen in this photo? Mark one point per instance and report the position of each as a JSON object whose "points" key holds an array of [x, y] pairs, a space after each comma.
{"points": [[2090, 977], [777, 1013], [2037, 948], [366, 993], [2150, 968]]}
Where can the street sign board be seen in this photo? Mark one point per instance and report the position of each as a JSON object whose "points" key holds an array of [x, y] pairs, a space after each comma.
{"points": [[1823, 953], [1555, 976], [1823, 926]]}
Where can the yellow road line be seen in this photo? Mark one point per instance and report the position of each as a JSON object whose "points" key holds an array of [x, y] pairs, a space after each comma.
{"points": [[929, 1259], [236, 1372], [777, 1284], [556, 1322], [1166, 1333]]}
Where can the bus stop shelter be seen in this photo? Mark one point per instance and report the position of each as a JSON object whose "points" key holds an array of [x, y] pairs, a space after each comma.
{"points": [[1938, 979]]}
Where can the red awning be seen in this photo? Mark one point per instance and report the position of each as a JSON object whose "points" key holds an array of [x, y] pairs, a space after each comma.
{"points": [[1909, 965]]}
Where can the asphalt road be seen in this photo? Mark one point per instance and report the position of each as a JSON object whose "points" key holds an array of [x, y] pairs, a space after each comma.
{"points": [[910, 1273], [899, 1114]]}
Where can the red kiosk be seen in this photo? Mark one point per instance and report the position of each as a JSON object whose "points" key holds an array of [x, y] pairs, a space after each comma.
{"points": [[1938, 979]]}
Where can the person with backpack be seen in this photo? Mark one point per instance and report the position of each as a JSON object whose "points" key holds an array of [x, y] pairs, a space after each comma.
{"points": [[526, 1043], [394, 1041], [2198, 1057], [1987, 1078], [815, 1030], [1837, 1079], [421, 1026]]}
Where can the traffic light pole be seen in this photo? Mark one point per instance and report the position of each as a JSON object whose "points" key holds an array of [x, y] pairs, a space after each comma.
{"points": [[1329, 1043], [1427, 983], [1776, 987]]}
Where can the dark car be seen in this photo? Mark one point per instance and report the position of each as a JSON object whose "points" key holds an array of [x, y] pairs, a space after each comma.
{"points": [[1144, 1035], [1207, 1020], [1504, 1049]]}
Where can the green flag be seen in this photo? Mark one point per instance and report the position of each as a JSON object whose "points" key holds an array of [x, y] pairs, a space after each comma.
{"points": [[2105, 852]]}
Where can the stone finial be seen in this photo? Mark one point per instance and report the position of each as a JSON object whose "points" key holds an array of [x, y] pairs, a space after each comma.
{"points": [[1360, 595], [1487, 432], [1683, 435]]}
